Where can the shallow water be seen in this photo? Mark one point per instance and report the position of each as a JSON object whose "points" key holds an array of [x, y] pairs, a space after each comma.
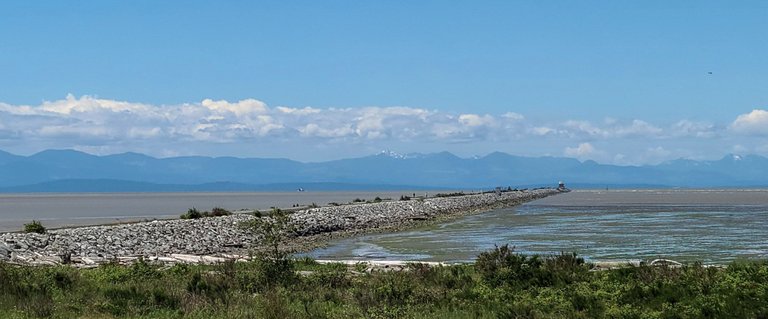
{"points": [[712, 226]]}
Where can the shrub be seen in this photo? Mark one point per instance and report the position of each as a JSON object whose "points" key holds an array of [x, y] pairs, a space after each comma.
{"points": [[192, 213], [449, 194], [502, 266], [218, 211], [273, 260], [34, 227]]}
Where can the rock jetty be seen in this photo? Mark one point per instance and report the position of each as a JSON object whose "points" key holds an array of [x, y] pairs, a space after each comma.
{"points": [[217, 237]]}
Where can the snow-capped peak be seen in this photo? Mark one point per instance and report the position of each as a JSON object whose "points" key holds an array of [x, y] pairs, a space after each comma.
{"points": [[391, 154], [397, 155]]}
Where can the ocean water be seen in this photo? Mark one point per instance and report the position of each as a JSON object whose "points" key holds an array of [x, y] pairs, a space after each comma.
{"points": [[60, 210], [711, 226]]}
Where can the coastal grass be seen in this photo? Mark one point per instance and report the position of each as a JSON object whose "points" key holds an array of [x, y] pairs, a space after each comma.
{"points": [[500, 284]]}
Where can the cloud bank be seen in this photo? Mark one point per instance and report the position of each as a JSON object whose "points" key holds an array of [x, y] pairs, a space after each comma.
{"points": [[252, 128]]}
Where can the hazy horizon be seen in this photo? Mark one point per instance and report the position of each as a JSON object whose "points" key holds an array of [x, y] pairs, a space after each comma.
{"points": [[387, 152]]}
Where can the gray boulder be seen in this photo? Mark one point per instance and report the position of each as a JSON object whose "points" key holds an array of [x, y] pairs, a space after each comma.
{"points": [[5, 252]]}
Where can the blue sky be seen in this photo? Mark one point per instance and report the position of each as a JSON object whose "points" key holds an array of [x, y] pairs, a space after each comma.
{"points": [[614, 81]]}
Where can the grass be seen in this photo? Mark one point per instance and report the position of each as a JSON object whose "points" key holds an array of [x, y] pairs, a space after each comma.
{"points": [[500, 284]]}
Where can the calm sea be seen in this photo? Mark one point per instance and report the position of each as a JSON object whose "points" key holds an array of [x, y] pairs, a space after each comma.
{"points": [[59, 210], [711, 226]]}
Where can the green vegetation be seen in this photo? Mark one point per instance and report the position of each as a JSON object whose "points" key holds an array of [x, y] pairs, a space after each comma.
{"points": [[450, 194], [217, 211], [34, 227], [501, 284], [193, 213], [272, 259], [359, 200]]}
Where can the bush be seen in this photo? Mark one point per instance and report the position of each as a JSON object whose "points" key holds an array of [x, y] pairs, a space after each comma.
{"points": [[449, 194], [502, 266], [273, 260], [192, 213], [34, 227], [218, 211]]}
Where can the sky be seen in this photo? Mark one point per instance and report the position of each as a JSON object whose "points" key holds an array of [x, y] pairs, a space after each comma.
{"points": [[620, 82]]}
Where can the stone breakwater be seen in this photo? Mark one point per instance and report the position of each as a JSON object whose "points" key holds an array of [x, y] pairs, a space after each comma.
{"points": [[158, 240]]}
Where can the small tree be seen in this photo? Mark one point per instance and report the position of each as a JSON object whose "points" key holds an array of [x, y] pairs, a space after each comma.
{"points": [[276, 265], [34, 227]]}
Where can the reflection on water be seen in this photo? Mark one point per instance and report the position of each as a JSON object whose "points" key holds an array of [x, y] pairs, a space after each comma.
{"points": [[712, 226]]}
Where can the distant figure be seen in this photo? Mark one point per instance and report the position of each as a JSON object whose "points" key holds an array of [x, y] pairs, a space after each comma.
{"points": [[300, 189]]}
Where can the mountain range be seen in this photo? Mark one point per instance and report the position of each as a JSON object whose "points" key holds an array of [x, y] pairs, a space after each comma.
{"points": [[74, 171]]}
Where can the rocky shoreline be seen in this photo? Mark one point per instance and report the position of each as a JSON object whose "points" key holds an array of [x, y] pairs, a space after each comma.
{"points": [[223, 237]]}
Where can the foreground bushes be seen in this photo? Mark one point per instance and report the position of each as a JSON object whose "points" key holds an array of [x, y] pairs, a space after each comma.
{"points": [[501, 284]]}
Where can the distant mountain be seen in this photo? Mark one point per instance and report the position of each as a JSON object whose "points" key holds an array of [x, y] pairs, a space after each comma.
{"points": [[73, 171], [109, 186]]}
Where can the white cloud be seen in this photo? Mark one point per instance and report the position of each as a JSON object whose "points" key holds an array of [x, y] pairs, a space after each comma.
{"points": [[542, 131], [87, 104], [91, 123], [244, 107], [693, 129], [638, 128], [583, 128], [476, 120], [584, 150], [295, 111], [315, 130], [74, 131], [513, 116], [755, 122]]}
